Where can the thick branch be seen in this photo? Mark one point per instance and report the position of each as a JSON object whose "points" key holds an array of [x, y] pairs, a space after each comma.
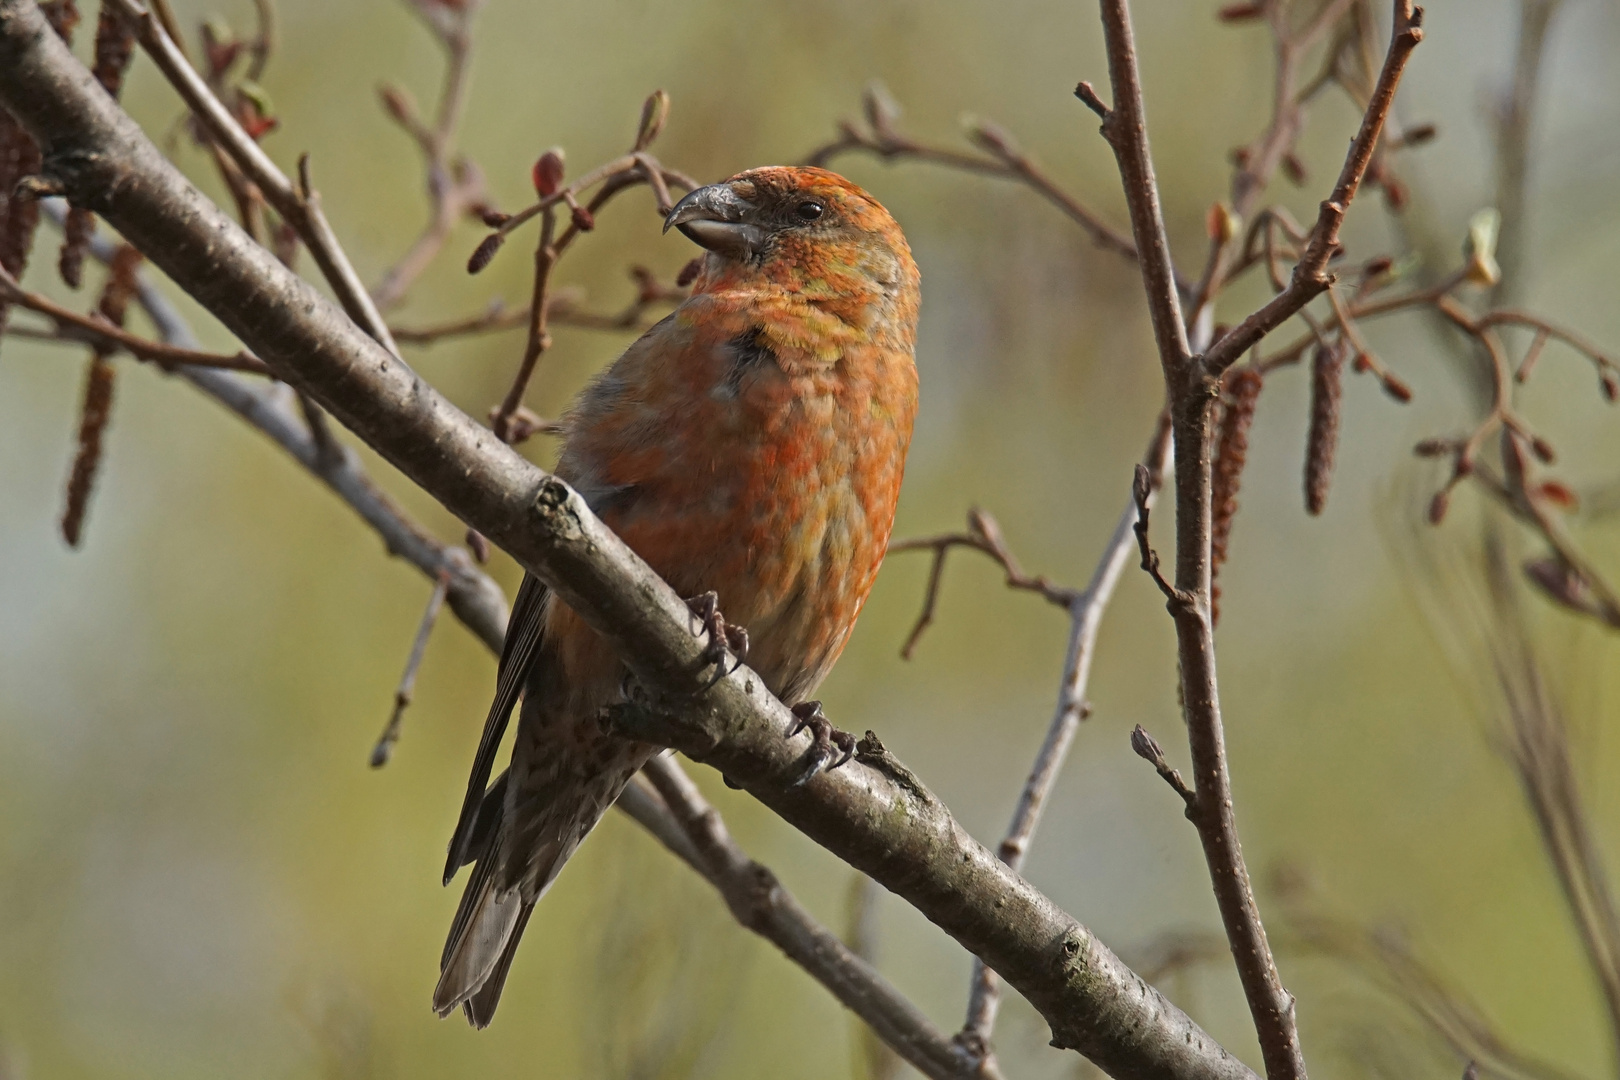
{"points": [[873, 812]]}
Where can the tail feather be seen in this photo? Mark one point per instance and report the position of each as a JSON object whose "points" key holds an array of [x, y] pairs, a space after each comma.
{"points": [[480, 1008], [479, 936]]}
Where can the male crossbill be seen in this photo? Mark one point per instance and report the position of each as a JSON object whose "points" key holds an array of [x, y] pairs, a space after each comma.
{"points": [[750, 446]]}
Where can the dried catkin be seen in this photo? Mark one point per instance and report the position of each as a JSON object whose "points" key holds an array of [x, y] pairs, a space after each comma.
{"points": [[1327, 371], [1231, 453]]}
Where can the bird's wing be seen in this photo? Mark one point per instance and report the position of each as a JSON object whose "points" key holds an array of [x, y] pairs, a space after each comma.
{"points": [[523, 633]]}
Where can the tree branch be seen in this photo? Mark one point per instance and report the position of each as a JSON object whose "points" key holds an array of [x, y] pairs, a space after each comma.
{"points": [[1086, 611], [482, 608], [761, 904], [873, 813], [300, 206]]}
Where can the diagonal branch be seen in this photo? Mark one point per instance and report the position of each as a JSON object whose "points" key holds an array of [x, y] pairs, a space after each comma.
{"points": [[1085, 614], [477, 601], [300, 206], [874, 813], [761, 904]]}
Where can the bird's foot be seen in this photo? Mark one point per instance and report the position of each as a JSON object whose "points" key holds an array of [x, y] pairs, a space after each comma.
{"points": [[726, 640], [829, 747]]}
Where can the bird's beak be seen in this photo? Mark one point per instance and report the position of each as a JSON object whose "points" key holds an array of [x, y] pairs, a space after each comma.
{"points": [[716, 217]]}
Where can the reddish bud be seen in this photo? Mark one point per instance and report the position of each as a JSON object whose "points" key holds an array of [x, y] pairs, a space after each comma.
{"points": [[583, 219], [689, 273], [1395, 388], [1438, 506], [492, 217], [1543, 450], [547, 173], [1609, 384], [1558, 494], [1240, 157], [1362, 363], [1294, 169], [485, 252], [1377, 267], [396, 102], [1240, 12]]}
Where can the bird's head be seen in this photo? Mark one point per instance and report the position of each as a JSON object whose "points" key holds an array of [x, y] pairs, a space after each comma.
{"points": [[807, 229]]}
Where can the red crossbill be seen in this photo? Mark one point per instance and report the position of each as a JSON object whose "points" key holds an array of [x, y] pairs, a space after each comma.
{"points": [[750, 446]]}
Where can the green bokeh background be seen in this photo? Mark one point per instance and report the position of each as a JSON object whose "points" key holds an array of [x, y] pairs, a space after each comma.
{"points": [[200, 877]]}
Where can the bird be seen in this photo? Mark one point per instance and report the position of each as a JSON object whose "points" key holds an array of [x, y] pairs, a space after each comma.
{"points": [[750, 448]]}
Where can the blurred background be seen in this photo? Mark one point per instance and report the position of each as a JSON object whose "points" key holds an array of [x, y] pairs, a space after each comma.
{"points": [[200, 876]]}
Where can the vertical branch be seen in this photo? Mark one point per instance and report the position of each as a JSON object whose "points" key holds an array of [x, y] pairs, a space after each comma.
{"points": [[1513, 144], [1085, 613]]}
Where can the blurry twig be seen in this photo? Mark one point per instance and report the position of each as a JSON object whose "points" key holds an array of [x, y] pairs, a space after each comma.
{"points": [[1086, 609], [455, 185], [1186, 377], [564, 307], [384, 749], [875, 1058], [102, 333], [1000, 156], [761, 904], [299, 206]]}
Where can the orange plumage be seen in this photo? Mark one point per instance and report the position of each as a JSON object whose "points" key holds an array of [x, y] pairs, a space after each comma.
{"points": [[752, 443]]}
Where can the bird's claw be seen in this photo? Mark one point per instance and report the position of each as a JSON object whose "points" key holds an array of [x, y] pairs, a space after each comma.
{"points": [[829, 747], [725, 639]]}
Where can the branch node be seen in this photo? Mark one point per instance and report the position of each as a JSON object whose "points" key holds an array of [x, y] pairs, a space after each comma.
{"points": [[1088, 97]]}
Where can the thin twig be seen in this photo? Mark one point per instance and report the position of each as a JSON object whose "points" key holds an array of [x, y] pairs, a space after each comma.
{"points": [[298, 205], [1086, 610], [983, 534], [73, 327], [1310, 275], [384, 749]]}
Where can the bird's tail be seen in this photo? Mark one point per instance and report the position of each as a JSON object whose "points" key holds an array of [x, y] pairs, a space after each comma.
{"points": [[495, 907]]}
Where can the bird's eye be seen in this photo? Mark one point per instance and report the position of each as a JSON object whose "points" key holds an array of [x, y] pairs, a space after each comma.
{"points": [[809, 211]]}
